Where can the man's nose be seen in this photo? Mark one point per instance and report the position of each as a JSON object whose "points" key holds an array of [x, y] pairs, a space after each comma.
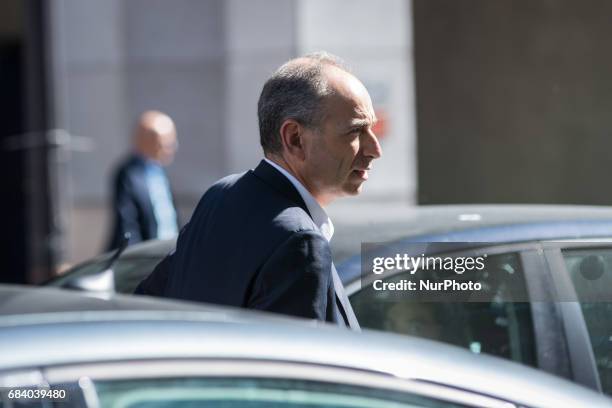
{"points": [[371, 147]]}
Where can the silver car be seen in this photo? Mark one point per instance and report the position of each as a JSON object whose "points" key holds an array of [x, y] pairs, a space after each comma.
{"points": [[78, 350], [540, 247]]}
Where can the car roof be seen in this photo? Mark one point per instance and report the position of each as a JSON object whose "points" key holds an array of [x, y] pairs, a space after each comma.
{"points": [[20, 300], [152, 248], [181, 331], [462, 224], [427, 219], [155, 248], [369, 222], [372, 222], [376, 222]]}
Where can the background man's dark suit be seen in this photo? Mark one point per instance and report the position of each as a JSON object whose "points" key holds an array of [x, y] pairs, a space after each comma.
{"points": [[252, 243], [132, 207]]}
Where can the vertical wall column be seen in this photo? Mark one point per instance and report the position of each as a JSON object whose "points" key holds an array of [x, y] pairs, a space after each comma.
{"points": [[255, 48], [176, 62], [89, 100]]}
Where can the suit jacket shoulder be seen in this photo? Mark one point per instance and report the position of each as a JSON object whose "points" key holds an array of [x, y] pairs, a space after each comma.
{"points": [[236, 226], [131, 203], [252, 243]]}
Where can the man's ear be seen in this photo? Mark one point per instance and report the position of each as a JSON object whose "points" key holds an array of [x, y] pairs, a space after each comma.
{"points": [[292, 138]]}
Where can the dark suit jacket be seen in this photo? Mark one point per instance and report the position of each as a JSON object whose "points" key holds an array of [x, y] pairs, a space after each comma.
{"points": [[251, 243], [132, 208]]}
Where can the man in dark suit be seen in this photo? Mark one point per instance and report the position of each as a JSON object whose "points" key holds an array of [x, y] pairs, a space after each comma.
{"points": [[260, 239], [142, 200]]}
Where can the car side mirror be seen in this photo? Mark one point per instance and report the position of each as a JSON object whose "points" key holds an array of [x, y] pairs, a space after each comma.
{"points": [[101, 282]]}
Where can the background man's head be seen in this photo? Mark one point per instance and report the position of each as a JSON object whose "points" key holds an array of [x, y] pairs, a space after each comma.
{"points": [[155, 137], [315, 119]]}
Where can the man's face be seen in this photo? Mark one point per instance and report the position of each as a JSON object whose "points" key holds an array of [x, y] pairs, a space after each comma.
{"points": [[164, 147], [340, 153], [156, 137]]}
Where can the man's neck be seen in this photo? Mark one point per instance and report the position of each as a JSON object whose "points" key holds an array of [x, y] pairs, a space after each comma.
{"points": [[145, 158], [315, 209], [280, 161]]}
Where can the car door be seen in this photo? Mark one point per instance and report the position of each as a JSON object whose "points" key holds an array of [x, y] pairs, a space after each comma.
{"points": [[227, 384], [248, 384], [583, 283], [524, 325]]}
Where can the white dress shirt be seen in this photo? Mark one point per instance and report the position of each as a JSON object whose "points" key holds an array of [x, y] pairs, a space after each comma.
{"points": [[161, 199], [318, 214]]}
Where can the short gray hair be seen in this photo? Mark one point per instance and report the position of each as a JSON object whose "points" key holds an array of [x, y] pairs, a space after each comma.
{"points": [[295, 91]]}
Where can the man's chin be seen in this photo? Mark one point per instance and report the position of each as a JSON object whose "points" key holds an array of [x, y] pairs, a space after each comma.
{"points": [[353, 189]]}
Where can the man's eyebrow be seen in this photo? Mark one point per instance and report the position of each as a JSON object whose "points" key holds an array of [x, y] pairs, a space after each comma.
{"points": [[363, 122]]}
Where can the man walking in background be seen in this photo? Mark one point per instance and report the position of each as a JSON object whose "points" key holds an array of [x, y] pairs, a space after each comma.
{"points": [[142, 199], [260, 239]]}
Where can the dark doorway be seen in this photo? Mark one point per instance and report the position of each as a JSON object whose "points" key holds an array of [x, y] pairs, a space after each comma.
{"points": [[13, 248], [24, 204]]}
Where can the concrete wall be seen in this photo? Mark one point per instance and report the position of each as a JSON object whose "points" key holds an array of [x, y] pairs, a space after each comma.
{"points": [[514, 101], [115, 59], [175, 54], [90, 100], [260, 36], [375, 38], [204, 62]]}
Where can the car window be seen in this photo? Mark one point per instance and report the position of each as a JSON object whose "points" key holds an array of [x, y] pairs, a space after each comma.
{"points": [[494, 326], [591, 273], [128, 272], [252, 393]]}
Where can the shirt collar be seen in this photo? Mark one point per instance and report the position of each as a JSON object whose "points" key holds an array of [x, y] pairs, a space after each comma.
{"points": [[146, 161], [319, 216]]}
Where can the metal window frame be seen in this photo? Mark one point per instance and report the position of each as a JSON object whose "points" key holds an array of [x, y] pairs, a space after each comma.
{"points": [[551, 343], [252, 369], [582, 358]]}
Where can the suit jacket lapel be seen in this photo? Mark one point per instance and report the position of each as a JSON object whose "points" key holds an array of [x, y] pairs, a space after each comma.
{"points": [[280, 183], [346, 310]]}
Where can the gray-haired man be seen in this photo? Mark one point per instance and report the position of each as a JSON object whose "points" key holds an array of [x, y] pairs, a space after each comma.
{"points": [[260, 239]]}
